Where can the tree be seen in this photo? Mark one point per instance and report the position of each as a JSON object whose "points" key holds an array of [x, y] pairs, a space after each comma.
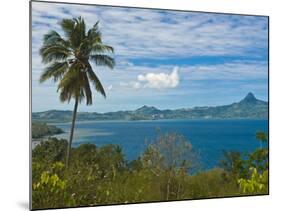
{"points": [[170, 156], [262, 137], [170, 150], [50, 151], [233, 164], [68, 60], [258, 159]]}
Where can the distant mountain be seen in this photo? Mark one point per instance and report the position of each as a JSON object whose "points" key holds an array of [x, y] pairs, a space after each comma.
{"points": [[247, 108], [147, 110], [250, 98]]}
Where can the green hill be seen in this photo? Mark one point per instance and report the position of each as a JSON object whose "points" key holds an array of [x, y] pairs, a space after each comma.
{"points": [[40, 130], [247, 108]]}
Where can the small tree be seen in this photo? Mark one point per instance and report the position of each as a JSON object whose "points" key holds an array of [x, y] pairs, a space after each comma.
{"points": [[262, 137], [258, 159], [233, 165], [169, 155]]}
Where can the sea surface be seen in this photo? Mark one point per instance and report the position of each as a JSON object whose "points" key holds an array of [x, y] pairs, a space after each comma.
{"points": [[209, 138]]}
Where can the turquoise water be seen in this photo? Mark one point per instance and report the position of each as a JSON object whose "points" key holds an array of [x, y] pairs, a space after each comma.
{"points": [[208, 137]]}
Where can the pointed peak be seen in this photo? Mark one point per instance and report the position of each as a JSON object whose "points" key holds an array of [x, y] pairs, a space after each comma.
{"points": [[250, 97], [145, 107]]}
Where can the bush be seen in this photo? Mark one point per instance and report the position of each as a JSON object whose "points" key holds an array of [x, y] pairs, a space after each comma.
{"points": [[165, 171], [257, 184]]}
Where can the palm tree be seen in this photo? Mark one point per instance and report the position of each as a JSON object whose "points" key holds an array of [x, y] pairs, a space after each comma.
{"points": [[68, 60]]}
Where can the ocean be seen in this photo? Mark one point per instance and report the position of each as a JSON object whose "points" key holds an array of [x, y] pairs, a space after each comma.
{"points": [[209, 138]]}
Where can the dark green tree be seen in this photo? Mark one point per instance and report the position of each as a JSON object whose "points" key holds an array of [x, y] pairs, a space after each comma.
{"points": [[258, 160], [233, 164], [262, 137], [68, 60]]}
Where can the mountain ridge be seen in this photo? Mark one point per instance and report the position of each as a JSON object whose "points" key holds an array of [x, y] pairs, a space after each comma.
{"points": [[248, 108]]}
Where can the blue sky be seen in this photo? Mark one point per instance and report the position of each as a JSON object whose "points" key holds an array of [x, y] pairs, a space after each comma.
{"points": [[165, 59]]}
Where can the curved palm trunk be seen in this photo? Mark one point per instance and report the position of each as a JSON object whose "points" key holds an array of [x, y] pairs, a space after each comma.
{"points": [[71, 132]]}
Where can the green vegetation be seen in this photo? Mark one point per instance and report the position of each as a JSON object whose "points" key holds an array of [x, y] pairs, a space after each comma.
{"points": [[262, 137], [68, 60], [167, 170], [256, 184], [40, 130], [248, 108]]}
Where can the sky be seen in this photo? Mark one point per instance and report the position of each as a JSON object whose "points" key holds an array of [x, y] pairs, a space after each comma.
{"points": [[167, 59]]}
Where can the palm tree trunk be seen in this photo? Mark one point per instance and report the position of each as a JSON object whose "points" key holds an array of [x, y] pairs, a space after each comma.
{"points": [[71, 132]]}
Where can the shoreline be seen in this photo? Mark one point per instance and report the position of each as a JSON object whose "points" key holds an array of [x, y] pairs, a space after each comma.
{"points": [[150, 120]]}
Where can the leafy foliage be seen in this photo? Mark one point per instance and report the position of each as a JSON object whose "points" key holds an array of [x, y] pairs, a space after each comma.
{"points": [[258, 160], [50, 189], [40, 130], [50, 151], [234, 165], [261, 137], [101, 175], [256, 184], [251, 173]]}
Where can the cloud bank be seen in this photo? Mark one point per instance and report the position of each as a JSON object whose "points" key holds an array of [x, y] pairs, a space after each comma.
{"points": [[160, 80], [206, 58]]}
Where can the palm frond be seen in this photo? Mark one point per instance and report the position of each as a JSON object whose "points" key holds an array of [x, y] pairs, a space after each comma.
{"points": [[101, 48], [95, 80], [81, 27], [53, 37], [87, 89], [54, 70], [54, 52], [67, 26], [103, 60], [75, 84], [69, 84], [94, 34], [78, 33], [74, 30]]}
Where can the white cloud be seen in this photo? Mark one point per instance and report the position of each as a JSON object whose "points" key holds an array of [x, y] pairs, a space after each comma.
{"points": [[157, 80]]}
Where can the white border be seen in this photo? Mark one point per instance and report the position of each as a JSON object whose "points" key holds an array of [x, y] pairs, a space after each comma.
{"points": [[14, 116]]}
